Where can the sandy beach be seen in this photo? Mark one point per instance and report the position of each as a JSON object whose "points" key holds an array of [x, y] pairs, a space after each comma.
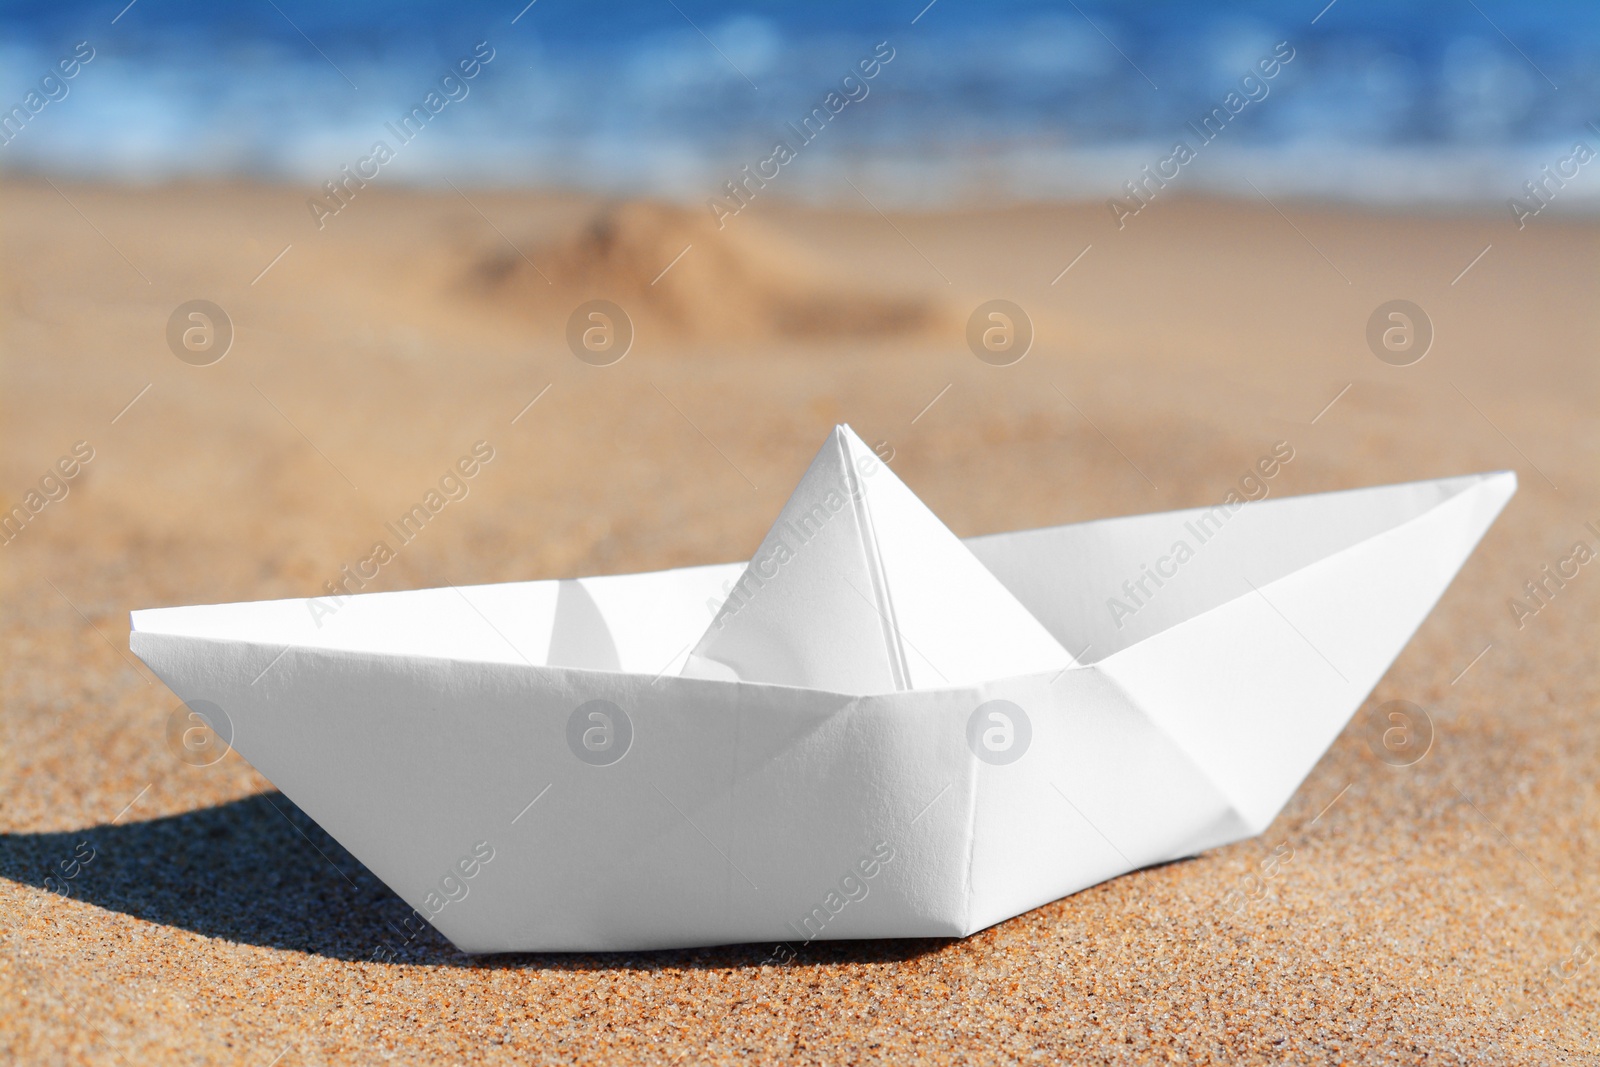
{"points": [[156, 911]]}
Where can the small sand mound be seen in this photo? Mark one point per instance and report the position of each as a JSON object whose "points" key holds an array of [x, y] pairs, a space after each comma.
{"points": [[672, 268]]}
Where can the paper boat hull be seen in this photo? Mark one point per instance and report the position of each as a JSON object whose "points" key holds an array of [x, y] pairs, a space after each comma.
{"points": [[432, 733]]}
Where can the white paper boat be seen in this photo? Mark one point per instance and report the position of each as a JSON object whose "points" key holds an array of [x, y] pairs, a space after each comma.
{"points": [[884, 734]]}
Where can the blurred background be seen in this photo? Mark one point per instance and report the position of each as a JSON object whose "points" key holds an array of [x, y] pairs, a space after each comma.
{"points": [[1198, 223], [1411, 103]]}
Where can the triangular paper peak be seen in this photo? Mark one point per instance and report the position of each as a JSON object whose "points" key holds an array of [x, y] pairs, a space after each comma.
{"points": [[858, 588]]}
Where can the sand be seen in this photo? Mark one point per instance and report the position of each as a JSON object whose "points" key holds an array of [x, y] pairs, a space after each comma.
{"points": [[156, 912], [747, 282]]}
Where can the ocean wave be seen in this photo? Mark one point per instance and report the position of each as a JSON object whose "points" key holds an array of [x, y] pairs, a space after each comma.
{"points": [[1416, 103]]}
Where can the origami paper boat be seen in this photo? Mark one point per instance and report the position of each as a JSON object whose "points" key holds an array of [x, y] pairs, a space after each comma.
{"points": [[872, 729]]}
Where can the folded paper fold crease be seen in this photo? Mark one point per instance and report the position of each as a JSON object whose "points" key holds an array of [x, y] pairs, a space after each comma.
{"points": [[859, 588]]}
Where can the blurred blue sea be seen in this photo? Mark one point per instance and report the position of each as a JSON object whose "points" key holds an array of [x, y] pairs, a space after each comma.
{"points": [[1399, 102]]}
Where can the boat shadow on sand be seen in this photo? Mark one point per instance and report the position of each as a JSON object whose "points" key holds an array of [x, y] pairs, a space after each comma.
{"points": [[258, 871]]}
